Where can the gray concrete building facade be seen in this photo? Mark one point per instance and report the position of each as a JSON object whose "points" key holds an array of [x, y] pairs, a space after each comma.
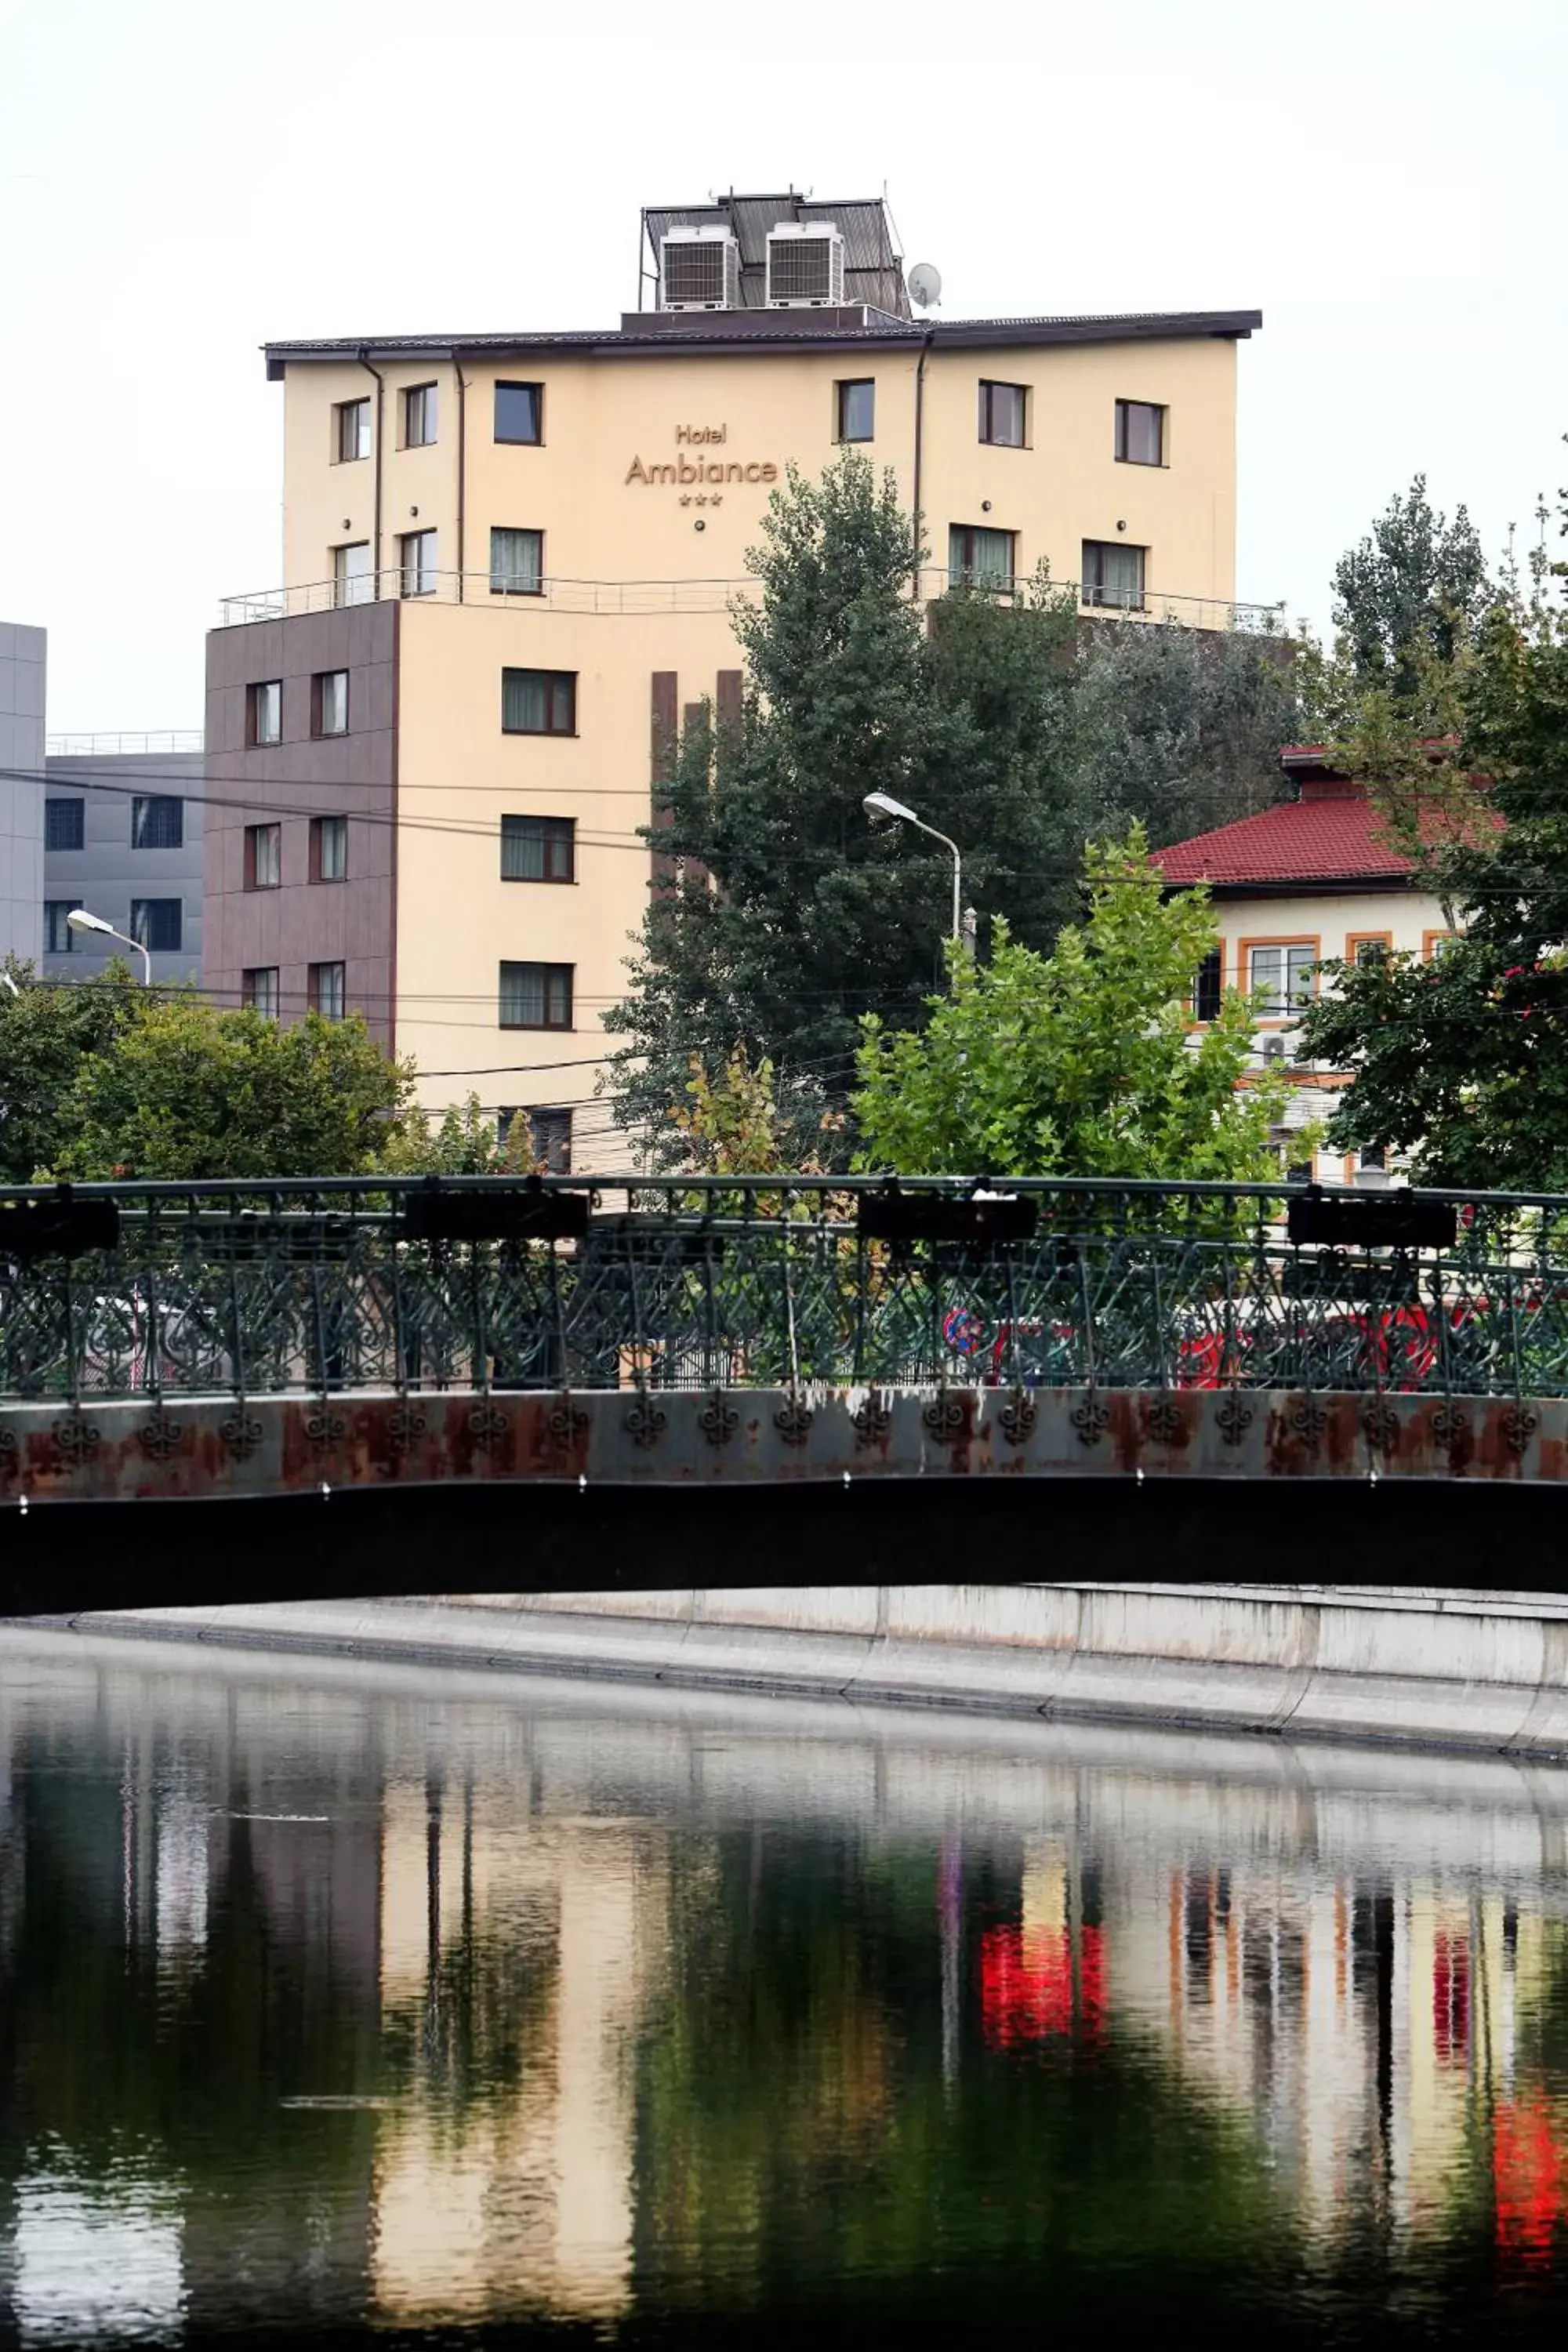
{"points": [[22, 676], [123, 837]]}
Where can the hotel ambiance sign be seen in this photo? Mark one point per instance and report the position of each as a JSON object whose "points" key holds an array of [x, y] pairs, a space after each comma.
{"points": [[694, 477]]}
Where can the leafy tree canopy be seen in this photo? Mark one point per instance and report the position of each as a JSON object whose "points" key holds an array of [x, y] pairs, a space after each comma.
{"points": [[1416, 581], [47, 1034], [1080, 1062]]}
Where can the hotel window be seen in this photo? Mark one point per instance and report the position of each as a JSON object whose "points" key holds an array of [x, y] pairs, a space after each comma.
{"points": [[352, 581], [157, 821], [259, 990], [1113, 574], [64, 825], [329, 849], [419, 416], [158, 924], [263, 857], [264, 712], [519, 413], [857, 410], [536, 996], [539, 701], [1208, 984], [350, 431], [516, 562], [326, 991], [1282, 978], [329, 702], [1376, 947], [978, 557], [416, 562], [1437, 943], [550, 1140], [538, 850], [1002, 408], [1139, 432], [58, 937]]}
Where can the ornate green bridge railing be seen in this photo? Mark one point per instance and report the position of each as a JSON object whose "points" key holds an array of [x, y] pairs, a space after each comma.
{"points": [[254, 1288]]}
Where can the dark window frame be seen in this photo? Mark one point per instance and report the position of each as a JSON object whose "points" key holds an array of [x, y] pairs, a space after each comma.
{"points": [[842, 391], [534, 440], [1095, 590], [313, 977], [53, 808], [989, 438], [965, 573], [405, 539], [65, 944], [359, 408], [499, 584], [253, 694], [552, 975], [318, 865], [318, 732], [142, 802], [429, 408], [254, 835], [146, 908], [251, 993], [1155, 408], [1209, 986], [554, 680], [557, 840]]}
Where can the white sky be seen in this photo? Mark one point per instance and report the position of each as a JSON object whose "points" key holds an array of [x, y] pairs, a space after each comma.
{"points": [[180, 182]]}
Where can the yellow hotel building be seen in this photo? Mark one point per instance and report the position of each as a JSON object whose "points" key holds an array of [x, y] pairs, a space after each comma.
{"points": [[509, 564]]}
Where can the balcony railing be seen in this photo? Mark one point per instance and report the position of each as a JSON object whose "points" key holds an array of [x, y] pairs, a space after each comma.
{"points": [[618, 599], [251, 1288], [165, 741]]}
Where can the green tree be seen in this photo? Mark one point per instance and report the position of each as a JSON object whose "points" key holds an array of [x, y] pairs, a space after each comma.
{"points": [[785, 915], [183, 1090], [1417, 580], [47, 1031], [1463, 1061], [1080, 1062]]}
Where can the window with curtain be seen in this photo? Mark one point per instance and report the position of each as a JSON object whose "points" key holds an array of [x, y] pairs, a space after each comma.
{"points": [[158, 924], [352, 582], [58, 937], [857, 410], [329, 849], [157, 821], [418, 415], [1282, 977], [351, 434], [258, 989], [516, 562], [550, 1133], [1002, 408], [979, 558], [327, 993], [536, 995], [538, 850], [329, 702], [1139, 432], [417, 558], [264, 703], [519, 413], [1113, 574], [539, 701], [65, 823], [263, 857]]}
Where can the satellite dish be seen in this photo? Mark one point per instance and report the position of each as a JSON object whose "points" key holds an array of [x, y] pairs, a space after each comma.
{"points": [[925, 285]]}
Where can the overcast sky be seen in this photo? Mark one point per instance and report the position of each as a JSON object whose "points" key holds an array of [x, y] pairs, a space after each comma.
{"points": [[180, 182]]}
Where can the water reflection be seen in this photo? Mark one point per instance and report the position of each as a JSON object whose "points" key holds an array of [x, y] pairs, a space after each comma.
{"points": [[337, 1998]]}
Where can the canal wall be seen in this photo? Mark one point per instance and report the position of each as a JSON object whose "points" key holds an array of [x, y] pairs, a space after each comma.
{"points": [[1426, 1666]]}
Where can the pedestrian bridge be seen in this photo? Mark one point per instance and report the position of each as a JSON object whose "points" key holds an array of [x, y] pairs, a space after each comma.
{"points": [[612, 1378]]}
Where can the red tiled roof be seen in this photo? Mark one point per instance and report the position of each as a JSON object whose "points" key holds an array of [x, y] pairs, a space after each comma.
{"points": [[1339, 839]]}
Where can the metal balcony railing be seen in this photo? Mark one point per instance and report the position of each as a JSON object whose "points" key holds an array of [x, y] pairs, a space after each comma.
{"points": [[165, 742], [618, 599], [251, 1288]]}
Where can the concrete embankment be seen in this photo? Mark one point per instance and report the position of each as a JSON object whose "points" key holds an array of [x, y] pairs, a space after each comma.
{"points": [[1437, 1668]]}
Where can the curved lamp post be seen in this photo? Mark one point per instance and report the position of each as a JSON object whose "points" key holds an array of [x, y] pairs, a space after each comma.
{"points": [[80, 920], [881, 806]]}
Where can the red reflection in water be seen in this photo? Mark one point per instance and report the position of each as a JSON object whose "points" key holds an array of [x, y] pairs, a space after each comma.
{"points": [[1451, 1998], [1526, 2178], [1027, 1985]]}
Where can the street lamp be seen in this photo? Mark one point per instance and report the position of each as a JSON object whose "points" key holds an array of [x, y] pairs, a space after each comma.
{"points": [[80, 920], [880, 806]]}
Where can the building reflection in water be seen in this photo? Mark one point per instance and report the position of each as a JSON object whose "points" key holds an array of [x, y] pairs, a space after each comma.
{"points": [[328, 2003]]}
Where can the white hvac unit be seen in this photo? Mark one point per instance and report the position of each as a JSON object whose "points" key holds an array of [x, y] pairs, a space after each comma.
{"points": [[698, 269], [806, 267]]}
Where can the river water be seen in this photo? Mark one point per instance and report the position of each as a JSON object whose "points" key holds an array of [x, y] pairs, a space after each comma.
{"points": [[338, 1998]]}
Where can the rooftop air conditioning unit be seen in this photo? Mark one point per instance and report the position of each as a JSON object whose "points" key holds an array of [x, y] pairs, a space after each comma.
{"points": [[698, 269], [806, 267]]}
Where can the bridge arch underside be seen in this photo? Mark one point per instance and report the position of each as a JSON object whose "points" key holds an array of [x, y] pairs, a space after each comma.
{"points": [[273, 1498]]}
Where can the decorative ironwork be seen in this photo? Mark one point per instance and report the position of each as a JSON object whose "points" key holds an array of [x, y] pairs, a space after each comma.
{"points": [[717, 1420], [1019, 1417], [77, 1441], [1235, 1419], [1381, 1423], [161, 1436], [872, 1419], [793, 1421], [487, 1424], [944, 1416], [1167, 1423], [1092, 1419], [241, 1433], [324, 1428], [1307, 1422], [405, 1425], [1450, 1424], [645, 1424], [1518, 1428], [10, 1451], [567, 1422]]}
